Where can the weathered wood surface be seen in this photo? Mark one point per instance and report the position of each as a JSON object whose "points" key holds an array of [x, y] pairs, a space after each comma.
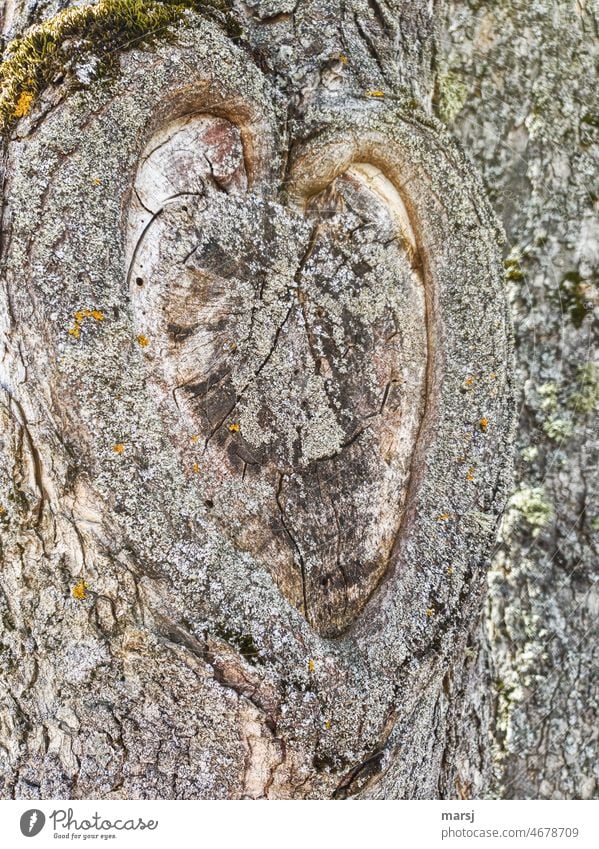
{"points": [[257, 395]]}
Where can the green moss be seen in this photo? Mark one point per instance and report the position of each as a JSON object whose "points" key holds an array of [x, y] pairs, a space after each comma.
{"points": [[44, 53], [243, 642], [513, 270], [451, 95]]}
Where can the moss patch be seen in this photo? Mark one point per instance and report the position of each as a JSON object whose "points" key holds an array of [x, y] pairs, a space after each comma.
{"points": [[513, 269], [243, 643], [43, 54]]}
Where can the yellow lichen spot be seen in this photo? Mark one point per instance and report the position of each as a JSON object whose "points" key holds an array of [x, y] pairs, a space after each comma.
{"points": [[234, 427], [343, 59], [430, 612], [2, 510], [80, 317], [23, 105], [118, 448], [311, 665], [450, 570], [444, 517], [194, 438], [484, 424], [96, 181], [469, 380], [375, 93], [80, 590], [142, 341], [470, 473], [195, 468], [327, 725]]}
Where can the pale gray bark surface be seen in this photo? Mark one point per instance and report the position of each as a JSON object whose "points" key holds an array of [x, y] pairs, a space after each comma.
{"points": [[210, 657], [518, 85]]}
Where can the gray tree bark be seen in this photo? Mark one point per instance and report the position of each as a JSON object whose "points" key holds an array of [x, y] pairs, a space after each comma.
{"points": [[517, 84], [257, 414]]}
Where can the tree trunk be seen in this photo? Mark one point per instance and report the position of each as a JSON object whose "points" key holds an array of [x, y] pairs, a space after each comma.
{"points": [[257, 408], [518, 86]]}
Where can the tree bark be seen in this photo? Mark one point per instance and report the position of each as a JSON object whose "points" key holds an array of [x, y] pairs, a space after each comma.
{"points": [[518, 87], [257, 412]]}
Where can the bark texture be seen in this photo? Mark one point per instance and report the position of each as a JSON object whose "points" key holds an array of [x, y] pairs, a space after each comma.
{"points": [[517, 84], [257, 418]]}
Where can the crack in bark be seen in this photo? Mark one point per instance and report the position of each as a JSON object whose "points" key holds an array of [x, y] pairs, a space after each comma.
{"points": [[294, 543]]}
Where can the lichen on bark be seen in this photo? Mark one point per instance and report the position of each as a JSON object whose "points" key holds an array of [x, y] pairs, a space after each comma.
{"points": [[528, 121], [131, 584]]}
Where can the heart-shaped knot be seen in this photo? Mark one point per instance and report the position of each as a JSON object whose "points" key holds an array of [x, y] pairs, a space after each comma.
{"points": [[289, 342]]}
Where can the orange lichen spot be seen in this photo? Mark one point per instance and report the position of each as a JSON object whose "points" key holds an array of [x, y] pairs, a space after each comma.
{"points": [[96, 181], [80, 590], [234, 427], [444, 517], [375, 93], [195, 468], [80, 316], [2, 510], [429, 612], [469, 380], [470, 473], [118, 448], [23, 105], [484, 424], [194, 438], [311, 665], [142, 341]]}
